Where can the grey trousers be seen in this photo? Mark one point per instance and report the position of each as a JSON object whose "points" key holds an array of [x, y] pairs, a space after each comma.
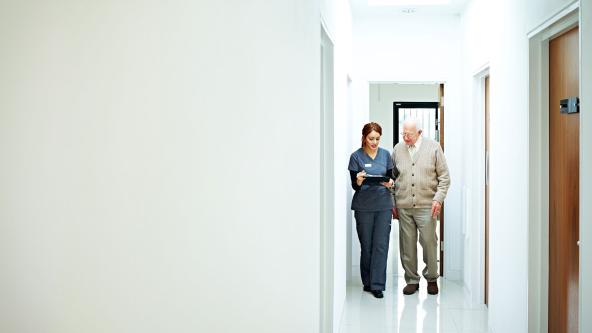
{"points": [[374, 230], [410, 221]]}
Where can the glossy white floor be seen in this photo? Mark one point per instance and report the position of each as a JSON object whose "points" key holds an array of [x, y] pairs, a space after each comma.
{"points": [[448, 312]]}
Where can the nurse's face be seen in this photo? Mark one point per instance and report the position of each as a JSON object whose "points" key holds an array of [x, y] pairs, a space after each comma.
{"points": [[372, 140]]}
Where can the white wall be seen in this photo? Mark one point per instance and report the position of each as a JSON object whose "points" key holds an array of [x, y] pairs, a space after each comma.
{"points": [[336, 17], [160, 166], [428, 53], [508, 174], [505, 49], [508, 259], [477, 39], [540, 10]]}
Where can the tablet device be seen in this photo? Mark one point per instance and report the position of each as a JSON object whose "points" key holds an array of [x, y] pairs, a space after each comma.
{"points": [[375, 180]]}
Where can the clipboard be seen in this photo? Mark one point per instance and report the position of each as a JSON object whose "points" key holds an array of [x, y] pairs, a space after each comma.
{"points": [[375, 180]]}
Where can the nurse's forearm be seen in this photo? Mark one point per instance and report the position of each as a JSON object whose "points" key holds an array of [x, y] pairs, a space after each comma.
{"points": [[354, 176]]}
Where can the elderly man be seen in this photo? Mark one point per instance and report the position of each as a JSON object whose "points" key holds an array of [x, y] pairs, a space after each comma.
{"points": [[421, 184]]}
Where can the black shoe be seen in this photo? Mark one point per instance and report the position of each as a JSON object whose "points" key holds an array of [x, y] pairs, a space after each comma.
{"points": [[366, 288], [377, 293]]}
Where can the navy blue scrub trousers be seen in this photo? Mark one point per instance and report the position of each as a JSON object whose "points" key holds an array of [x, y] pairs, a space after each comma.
{"points": [[374, 230]]}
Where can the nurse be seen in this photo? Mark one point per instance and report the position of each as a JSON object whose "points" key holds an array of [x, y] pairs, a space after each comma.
{"points": [[372, 204]]}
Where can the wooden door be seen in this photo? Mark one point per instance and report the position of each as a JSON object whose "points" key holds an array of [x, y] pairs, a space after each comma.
{"points": [[564, 143], [486, 93]]}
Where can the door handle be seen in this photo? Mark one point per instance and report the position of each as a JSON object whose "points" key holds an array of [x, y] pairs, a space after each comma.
{"points": [[578, 242]]}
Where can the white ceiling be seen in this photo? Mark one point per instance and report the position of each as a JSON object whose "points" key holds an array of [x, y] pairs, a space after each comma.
{"points": [[361, 9]]}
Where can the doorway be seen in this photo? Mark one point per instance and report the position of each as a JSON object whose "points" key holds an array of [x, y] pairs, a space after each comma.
{"points": [[430, 114], [553, 288]]}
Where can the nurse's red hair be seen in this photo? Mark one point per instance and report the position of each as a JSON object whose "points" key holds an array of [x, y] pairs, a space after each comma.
{"points": [[368, 128]]}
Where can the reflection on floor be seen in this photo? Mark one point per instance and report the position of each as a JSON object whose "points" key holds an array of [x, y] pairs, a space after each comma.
{"points": [[449, 312]]}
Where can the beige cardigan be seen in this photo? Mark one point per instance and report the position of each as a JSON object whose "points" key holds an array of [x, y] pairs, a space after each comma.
{"points": [[422, 180]]}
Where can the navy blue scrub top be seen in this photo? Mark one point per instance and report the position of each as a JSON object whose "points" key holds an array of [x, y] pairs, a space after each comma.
{"points": [[371, 197]]}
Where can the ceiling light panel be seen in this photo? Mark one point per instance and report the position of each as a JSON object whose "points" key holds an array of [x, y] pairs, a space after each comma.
{"points": [[407, 2]]}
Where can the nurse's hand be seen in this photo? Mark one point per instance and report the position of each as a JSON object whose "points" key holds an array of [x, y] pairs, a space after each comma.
{"points": [[360, 177]]}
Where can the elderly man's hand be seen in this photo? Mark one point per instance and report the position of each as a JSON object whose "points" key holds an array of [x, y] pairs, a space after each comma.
{"points": [[436, 208]]}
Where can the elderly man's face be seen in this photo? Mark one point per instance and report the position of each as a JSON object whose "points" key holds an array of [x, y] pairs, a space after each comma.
{"points": [[410, 134]]}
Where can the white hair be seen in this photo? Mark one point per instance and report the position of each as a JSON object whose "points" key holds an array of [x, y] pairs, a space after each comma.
{"points": [[414, 121]]}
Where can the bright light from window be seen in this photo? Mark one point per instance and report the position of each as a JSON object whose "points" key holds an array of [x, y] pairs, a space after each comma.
{"points": [[407, 2]]}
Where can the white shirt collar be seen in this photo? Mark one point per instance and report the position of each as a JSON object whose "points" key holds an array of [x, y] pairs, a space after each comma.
{"points": [[417, 143]]}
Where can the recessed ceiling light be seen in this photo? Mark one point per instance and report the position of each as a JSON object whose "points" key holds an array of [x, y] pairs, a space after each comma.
{"points": [[408, 10], [407, 2]]}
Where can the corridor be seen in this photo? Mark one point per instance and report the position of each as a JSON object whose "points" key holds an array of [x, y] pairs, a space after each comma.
{"points": [[181, 166]]}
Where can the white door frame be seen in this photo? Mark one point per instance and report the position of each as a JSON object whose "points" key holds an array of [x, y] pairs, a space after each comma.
{"points": [[585, 164], [327, 211], [477, 286], [538, 215]]}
